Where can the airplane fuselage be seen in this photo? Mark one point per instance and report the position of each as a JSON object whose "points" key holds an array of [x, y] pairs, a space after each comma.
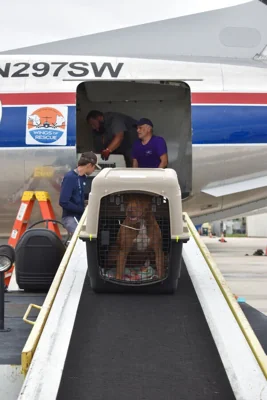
{"points": [[228, 116]]}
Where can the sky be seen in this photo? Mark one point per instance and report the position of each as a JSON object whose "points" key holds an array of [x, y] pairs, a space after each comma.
{"points": [[35, 22]]}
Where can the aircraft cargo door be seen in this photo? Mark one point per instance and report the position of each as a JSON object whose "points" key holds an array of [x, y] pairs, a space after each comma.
{"points": [[167, 105]]}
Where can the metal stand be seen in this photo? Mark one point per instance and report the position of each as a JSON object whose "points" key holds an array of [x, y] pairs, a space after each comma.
{"points": [[2, 304]]}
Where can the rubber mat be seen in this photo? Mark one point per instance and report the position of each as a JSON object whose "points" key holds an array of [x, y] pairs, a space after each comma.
{"points": [[143, 347], [258, 322]]}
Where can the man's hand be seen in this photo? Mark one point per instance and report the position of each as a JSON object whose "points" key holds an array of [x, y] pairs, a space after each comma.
{"points": [[105, 154]]}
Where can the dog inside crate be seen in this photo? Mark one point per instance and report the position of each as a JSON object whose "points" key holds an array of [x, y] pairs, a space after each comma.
{"points": [[134, 237]]}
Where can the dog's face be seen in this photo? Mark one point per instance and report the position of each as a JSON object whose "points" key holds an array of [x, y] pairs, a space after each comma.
{"points": [[136, 210]]}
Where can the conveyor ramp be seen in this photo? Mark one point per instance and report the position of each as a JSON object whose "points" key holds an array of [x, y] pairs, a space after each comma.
{"points": [[143, 347], [189, 345]]}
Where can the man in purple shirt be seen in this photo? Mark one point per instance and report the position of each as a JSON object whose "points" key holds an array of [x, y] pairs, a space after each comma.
{"points": [[149, 151]]}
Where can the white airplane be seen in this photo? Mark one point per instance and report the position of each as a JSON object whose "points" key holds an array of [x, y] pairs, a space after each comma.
{"points": [[198, 70]]}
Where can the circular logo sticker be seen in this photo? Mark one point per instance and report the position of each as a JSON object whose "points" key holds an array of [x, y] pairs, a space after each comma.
{"points": [[46, 125]]}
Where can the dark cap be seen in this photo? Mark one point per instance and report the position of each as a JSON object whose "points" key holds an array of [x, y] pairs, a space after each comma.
{"points": [[144, 121], [88, 157]]}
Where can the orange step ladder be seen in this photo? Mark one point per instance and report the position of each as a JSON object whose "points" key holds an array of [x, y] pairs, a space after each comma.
{"points": [[23, 217]]}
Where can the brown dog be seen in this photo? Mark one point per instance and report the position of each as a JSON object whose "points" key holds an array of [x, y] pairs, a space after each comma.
{"points": [[139, 232]]}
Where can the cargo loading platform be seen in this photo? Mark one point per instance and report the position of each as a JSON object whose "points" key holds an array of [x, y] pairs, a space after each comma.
{"points": [[190, 345], [143, 347]]}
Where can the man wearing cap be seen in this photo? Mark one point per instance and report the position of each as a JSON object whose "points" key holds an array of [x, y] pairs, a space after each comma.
{"points": [[113, 133], [149, 151], [72, 190]]}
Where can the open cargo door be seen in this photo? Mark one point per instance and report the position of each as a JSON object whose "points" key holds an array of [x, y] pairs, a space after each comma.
{"points": [[168, 105]]}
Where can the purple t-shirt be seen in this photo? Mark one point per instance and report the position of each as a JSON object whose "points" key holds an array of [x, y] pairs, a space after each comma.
{"points": [[148, 155]]}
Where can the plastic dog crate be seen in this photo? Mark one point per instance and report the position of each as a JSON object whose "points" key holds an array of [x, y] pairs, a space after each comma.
{"points": [[135, 231]]}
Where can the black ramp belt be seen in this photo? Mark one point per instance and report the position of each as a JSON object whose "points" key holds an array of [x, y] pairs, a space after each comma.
{"points": [[258, 322], [149, 347]]}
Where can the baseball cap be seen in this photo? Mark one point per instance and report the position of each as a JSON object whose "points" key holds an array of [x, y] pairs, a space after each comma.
{"points": [[89, 157], [144, 121]]}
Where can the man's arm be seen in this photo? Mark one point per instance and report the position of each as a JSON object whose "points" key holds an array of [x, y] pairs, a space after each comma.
{"points": [[162, 152], [118, 128], [134, 155], [163, 161], [116, 141], [135, 163], [113, 145], [67, 187]]}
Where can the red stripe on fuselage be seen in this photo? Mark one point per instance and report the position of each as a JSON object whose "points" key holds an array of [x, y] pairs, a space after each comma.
{"points": [[229, 98], [20, 99]]}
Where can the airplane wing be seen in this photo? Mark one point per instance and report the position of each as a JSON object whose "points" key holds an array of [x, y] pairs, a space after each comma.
{"points": [[233, 34], [235, 185]]}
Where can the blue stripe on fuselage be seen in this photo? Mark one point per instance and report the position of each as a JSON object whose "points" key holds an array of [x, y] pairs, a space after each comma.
{"points": [[229, 124], [13, 127], [212, 124]]}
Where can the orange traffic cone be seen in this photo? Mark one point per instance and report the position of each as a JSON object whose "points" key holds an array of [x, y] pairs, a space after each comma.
{"points": [[222, 239]]}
